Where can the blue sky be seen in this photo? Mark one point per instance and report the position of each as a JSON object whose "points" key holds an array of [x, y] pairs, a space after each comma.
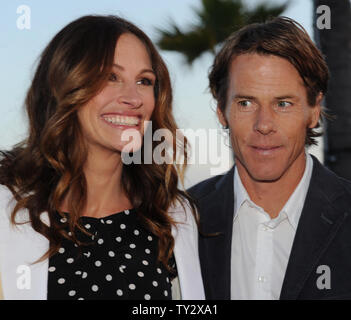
{"points": [[19, 50]]}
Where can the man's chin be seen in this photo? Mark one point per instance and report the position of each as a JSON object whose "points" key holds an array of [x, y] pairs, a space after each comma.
{"points": [[265, 175], [268, 171]]}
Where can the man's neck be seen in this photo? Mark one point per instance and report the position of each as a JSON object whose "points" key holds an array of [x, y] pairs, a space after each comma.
{"points": [[272, 195]]}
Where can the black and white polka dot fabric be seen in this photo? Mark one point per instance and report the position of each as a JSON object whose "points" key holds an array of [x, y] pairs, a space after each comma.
{"points": [[120, 262]]}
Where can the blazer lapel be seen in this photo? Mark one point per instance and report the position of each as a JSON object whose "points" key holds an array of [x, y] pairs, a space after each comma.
{"points": [[319, 223], [215, 251]]}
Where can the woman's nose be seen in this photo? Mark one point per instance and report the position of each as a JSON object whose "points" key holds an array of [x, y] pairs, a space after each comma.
{"points": [[130, 96]]}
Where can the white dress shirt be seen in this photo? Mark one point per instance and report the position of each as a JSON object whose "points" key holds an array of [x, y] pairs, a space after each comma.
{"points": [[260, 245]]}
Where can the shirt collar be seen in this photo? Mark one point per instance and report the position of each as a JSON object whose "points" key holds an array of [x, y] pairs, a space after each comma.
{"points": [[240, 193], [292, 208], [294, 205]]}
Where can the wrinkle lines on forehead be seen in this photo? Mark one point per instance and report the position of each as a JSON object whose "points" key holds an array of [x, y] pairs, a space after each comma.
{"points": [[252, 75]]}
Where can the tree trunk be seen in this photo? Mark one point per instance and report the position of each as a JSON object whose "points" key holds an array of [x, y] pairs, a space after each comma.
{"points": [[335, 44]]}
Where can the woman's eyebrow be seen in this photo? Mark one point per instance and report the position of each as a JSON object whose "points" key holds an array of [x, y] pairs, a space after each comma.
{"points": [[142, 71]]}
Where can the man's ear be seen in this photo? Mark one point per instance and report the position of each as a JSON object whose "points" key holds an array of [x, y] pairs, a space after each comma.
{"points": [[221, 117], [316, 111]]}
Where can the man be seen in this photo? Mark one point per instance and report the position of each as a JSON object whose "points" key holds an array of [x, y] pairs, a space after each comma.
{"points": [[278, 224]]}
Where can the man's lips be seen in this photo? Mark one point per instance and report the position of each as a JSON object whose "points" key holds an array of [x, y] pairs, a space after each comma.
{"points": [[265, 150], [265, 147]]}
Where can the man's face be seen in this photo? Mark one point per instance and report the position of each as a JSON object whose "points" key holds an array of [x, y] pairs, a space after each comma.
{"points": [[267, 113]]}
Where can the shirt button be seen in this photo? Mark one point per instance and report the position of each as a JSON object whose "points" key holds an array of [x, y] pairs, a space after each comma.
{"points": [[262, 279]]}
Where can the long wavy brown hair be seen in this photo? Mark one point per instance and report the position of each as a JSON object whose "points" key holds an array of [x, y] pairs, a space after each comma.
{"points": [[48, 166]]}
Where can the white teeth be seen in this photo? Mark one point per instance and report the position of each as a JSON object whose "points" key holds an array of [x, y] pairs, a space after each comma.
{"points": [[122, 120]]}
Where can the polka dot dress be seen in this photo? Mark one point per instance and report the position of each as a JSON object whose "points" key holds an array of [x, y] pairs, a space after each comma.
{"points": [[119, 262]]}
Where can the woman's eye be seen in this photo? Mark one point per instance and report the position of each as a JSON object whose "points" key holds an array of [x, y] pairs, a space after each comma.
{"points": [[112, 77], [146, 82]]}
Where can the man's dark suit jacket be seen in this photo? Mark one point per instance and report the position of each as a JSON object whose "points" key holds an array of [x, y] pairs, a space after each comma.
{"points": [[323, 237]]}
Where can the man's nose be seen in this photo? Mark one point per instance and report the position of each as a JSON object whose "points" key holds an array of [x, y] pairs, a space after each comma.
{"points": [[265, 120]]}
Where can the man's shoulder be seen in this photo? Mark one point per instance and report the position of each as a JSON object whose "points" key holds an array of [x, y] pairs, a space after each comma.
{"points": [[206, 186], [347, 184], [329, 183], [345, 193]]}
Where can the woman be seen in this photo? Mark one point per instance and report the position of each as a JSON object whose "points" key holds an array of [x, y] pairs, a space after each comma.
{"points": [[75, 221]]}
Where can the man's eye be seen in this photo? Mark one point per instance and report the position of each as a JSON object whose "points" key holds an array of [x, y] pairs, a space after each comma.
{"points": [[245, 103], [146, 82], [284, 104]]}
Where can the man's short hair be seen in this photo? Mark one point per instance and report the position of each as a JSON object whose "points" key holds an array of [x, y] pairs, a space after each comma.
{"points": [[282, 37]]}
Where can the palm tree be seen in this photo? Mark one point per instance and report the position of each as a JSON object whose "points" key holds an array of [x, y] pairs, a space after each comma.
{"points": [[215, 21], [335, 43]]}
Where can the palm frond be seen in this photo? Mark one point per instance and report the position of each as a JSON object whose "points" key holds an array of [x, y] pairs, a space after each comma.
{"points": [[191, 44], [264, 12], [215, 20]]}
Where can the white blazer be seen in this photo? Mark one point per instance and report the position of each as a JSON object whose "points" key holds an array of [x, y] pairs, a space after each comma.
{"points": [[20, 246]]}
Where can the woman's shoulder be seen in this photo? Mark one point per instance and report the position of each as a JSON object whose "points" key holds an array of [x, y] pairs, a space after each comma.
{"points": [[6, 204], [5, 196]]}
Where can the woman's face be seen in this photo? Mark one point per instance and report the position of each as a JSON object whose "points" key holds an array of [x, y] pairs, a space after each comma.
{"points": [[125, 102]]}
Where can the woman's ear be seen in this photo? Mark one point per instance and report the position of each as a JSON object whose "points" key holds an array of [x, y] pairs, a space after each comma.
{"points": [[221, 117], [316, 111]]}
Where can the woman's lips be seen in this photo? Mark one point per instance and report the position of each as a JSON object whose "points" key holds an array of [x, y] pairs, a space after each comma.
{"points": [[122, 121]]}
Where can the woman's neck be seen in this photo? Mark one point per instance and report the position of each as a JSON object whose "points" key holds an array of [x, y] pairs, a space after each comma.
{"points": [[105, 193]]}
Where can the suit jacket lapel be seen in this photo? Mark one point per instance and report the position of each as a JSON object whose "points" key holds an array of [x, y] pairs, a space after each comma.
{"points": [[319, 222], [218, 206]]}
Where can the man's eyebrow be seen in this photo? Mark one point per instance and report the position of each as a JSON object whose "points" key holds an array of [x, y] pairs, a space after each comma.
{"points": [[141, 71], [243, 96], [287, 96], [248, 97]]}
